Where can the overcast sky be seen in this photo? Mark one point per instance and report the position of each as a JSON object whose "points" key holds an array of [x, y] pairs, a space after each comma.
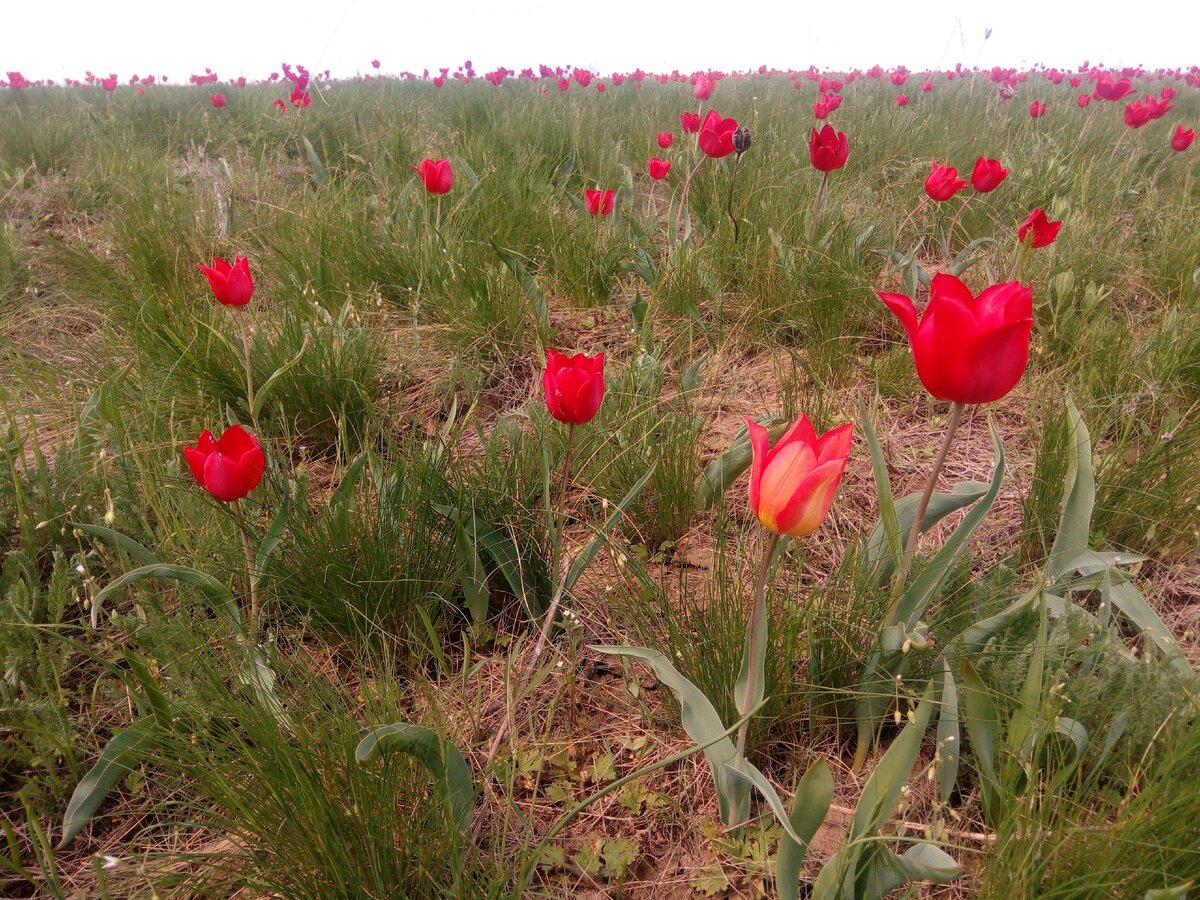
{"points": [[244, 37]]}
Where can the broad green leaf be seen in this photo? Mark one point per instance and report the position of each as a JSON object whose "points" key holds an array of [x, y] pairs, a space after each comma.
{"points": [[888, 520], [219, 594], [1119, 591], [756, 779], [260, 396], [528, 583], [440, 756], [692, 378], [1079, 497], [585, 558], [723, 471], [318, 169], [472, 575], [884, 666], [529, 286], [274, 534], [160, 707], [814, 794], [949, 733], [967, 256], [701, 722], [941, 504], [122, 542], [341, 501], [882, 791], [983, 727], [922, 861], [116, 761]]}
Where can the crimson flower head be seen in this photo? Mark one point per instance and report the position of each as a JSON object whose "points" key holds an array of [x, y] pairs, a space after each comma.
{"points": [[437, 176], [374, 64], [1107, 89], [1041, 229], [689, 122], [703, 88], [820, 110], [1156, 108], [1037, 109], [217, 100], [716, 135], [1136, 114], [987, 175], [665, 139], [231, 283], [828, 149], [793, 483], [902, 99], [599, 203], [1182, 139], [968, 349], [1083, 100], [943, 182], [659, 168], [229, 468], [574, 386]]}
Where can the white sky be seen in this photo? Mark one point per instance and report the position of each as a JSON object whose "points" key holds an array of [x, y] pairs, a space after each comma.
{"points": [[246, 37]]}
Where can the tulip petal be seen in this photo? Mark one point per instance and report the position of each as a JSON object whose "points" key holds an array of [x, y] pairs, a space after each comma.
{"points": [[834, 444], [195, 460], [253, 463], [801, 430], [902, 307], [1001, 304], [759, 439], [810, 503], [235, 442], [994, 363], [206, 444], [785, 471], [223, 478]]}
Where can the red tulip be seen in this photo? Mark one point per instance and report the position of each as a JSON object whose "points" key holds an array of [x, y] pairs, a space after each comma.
{"points": [[902, 99], [1107, 89], [438, 177], [1182, 139], [987, 175], [943, 182], [229, 468], [716, 135], [1083, 100], [1037, 109], [564, 84], [217, 100], [793, 483], [968, 349], [820, 110], [1042, 229], [374, 64], [665, 139], [828, 149], [659, 168], [1156, 108], [703, 89], [689, 122], [1136, 114], [599, 203], [574, 386], [926, 86], [232, 285]]}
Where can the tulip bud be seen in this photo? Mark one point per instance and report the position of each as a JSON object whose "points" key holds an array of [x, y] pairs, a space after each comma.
{"points": [[741, 140]]}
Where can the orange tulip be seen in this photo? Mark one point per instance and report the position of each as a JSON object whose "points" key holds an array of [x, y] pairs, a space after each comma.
{"points": [[792, 484]]}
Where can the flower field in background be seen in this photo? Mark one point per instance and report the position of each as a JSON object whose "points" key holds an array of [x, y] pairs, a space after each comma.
{"points": [[549, 483]]}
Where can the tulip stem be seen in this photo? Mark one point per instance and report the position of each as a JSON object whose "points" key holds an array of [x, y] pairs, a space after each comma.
{"points": [[914, 533], [559, 517], [246, 327], [812, 226], [1018, 258], [916, 209], [729, 198], [757, 624], [954, 221], [251, 576], [687, 183]]}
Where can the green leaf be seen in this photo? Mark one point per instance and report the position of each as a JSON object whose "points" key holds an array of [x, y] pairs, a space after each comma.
{"points": [[274, 534], [701, 722], [218, 593], [756, 779], [725, 469], [342, 499], [440, 756], [882, 791], [529, 286], [472, 574], [941, 504], [967, 256], [585, 558], [1079, 497], [120, 541], [814, 794], [692, 378], [888, 520], [922, 861], [884, 666], [1118, 590], [983, 727], [160, 707], [949, 734], [260, 396], [318, 169], [116, 761]]}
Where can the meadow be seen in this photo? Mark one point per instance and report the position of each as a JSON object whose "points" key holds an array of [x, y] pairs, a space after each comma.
{"points": [[464, 614]]}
